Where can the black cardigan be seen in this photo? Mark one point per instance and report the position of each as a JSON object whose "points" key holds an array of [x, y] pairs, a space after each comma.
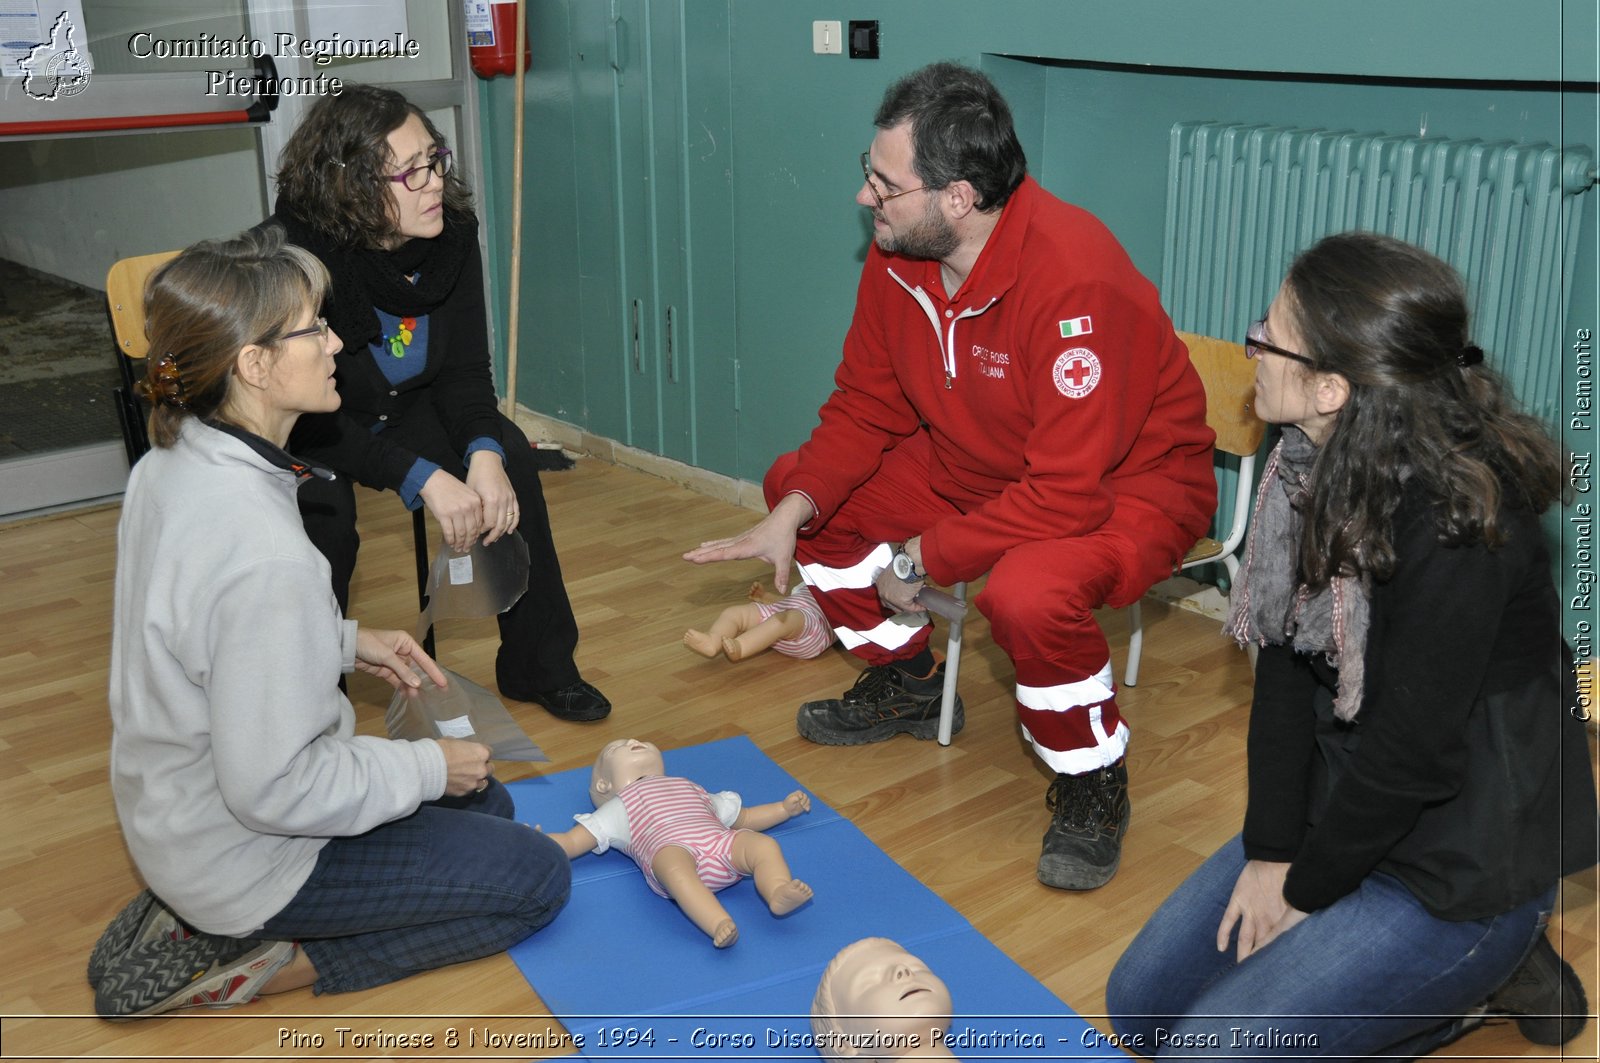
{"points": [[458, 380], [1464, 775]]}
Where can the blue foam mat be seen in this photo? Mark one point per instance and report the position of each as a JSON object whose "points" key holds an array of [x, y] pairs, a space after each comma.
{"points": [[631, 976]]}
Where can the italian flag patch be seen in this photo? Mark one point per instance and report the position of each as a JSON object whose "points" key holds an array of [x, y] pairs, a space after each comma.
{"points": [[1078, 326]]}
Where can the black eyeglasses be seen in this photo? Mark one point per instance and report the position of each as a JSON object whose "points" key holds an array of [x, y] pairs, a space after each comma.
{"points": [[882, 198], [320, 330], [1255, 341], [417, 178]]}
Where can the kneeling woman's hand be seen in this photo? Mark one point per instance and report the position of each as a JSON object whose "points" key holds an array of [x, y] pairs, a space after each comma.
{"points": [[467, 766], [1257, 907], [394, 656]]}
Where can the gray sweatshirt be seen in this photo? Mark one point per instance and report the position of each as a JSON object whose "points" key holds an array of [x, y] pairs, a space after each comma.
{"points": [[233, 753]]}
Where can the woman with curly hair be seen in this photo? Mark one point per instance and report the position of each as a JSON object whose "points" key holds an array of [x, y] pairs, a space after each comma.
{"points": [[368, 185], [1417, 784]]}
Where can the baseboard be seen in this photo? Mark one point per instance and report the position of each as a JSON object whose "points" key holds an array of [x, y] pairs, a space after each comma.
{"points": [[576, 441]]}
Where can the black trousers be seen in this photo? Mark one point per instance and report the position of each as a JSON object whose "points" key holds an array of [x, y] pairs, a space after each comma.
{"points": [[538, 635]]}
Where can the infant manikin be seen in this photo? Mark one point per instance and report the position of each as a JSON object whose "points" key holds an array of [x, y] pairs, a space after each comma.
{"points": [[688, 843]]}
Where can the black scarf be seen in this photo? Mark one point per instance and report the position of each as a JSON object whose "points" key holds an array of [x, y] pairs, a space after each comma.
{"points": [[365, 277]]}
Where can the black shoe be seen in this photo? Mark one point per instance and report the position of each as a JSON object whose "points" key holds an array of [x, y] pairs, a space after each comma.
{"points": [[579, 703], [883, 703], [1544, 996], [1089, 816]]}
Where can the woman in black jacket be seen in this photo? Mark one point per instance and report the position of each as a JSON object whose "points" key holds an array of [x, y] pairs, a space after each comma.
{"points": [[369, 186], [1419, 781]]}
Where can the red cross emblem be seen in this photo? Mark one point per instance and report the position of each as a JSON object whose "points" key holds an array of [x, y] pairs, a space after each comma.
{"points": [[1076, 372]]}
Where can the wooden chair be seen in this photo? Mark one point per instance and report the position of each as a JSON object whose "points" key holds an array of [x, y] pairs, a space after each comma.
{"points": [[125, 284], [1229, 380]]}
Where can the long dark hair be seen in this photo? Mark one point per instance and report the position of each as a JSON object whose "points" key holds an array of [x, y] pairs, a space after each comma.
{"points": [[334, 170], [961, 130], [1392, 320]]}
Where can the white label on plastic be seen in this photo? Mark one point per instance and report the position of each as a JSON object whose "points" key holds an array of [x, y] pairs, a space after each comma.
{"points": [[460, 570], [460, 727]]}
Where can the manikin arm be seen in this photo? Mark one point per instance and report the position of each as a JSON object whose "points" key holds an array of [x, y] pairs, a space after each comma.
{"points": [[765, 817], [576, 842]]}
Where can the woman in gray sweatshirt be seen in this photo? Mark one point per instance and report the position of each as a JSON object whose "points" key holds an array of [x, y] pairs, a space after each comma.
{"points": [[280, 848]]}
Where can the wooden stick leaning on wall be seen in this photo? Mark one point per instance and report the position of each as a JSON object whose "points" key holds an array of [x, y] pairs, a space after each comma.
{"points": [[519, 44]]}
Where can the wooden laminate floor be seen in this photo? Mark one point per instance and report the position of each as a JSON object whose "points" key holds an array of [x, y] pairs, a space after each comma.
{"points": [[966, 820]]}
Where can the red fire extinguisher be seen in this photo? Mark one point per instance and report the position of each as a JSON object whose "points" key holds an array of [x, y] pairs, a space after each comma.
{"points": [[491, 27]]}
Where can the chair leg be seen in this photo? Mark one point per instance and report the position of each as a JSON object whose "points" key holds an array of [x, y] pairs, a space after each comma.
{"points": [[1130, 674], [419, 536], [952, 669]]}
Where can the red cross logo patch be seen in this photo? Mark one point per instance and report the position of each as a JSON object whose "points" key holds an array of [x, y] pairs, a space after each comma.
{"points": [[1077, 372]]}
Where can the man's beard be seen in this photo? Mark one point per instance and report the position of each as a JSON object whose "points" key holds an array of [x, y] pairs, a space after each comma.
{"points": [[931, 237]]}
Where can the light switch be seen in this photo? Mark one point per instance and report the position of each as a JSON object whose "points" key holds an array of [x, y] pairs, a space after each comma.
{"points": [[827, 38]]}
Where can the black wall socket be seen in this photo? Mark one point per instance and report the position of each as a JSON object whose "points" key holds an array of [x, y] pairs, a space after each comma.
{"points": [[863, 40]]}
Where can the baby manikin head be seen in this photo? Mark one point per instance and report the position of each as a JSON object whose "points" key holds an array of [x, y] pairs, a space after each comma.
{"points": [[877, 1001]]}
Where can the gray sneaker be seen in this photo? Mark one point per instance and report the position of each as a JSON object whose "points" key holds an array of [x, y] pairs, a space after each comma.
{"points": [[143, 920], [881, 704], [201, 971], [1089, 816], [1545, 997]]}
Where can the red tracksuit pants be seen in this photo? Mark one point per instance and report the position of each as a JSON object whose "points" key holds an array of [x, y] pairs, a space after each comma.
{"points": [[1039, 599]]}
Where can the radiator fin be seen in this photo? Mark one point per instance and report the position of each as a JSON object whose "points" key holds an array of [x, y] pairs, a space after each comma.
{"points": [[1243, 199]]}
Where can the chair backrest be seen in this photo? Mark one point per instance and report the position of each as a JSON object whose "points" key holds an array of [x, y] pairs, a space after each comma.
{"points": [[125, 283], [1230, 382]]}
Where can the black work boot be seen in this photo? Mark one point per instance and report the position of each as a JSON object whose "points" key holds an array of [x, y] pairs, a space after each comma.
{"points": [[1545, 997], [1089, 816], [883, 702]]}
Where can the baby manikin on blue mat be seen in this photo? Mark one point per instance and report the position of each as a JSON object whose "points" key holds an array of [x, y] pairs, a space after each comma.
{"points": [[627, 973]]}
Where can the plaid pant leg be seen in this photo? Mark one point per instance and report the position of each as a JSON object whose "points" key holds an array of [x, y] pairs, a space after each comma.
{"points": [[441, 886]]}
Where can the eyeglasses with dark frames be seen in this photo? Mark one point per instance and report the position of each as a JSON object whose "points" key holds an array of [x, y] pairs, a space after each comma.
{"points": [[320, 330], [872, 185], [1255, 341], [417, 178]]}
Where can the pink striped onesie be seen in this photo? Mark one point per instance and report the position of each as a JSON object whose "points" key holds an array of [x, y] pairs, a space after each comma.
{"points": [[815, 635], [666, 810]]}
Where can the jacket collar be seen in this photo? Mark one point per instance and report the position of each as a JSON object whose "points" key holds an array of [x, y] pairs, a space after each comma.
{"points": [[274, 455], [995, 271]]}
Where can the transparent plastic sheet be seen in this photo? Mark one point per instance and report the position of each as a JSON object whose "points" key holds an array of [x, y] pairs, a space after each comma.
{"points": [[484, 581], [463, 709]]}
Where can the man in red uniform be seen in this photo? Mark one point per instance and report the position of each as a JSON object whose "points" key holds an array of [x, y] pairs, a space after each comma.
{"points": [[1012, 400]]}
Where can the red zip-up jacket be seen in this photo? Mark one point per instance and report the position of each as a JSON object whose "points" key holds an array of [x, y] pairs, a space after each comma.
{"points": [[1052, 386]]}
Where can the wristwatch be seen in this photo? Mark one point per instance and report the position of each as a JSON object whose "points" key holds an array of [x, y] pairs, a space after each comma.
{"points": [[905, 568]]}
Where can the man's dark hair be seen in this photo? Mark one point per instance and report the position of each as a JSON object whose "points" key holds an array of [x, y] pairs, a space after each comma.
{"points": [[960, 130]]}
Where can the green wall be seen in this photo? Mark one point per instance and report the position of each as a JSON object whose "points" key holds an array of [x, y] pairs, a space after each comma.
{"points": [[768, 169], [757, 138]]}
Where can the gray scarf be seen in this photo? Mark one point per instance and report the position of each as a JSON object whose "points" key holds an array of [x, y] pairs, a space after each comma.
{"points": [[1271, 605]]}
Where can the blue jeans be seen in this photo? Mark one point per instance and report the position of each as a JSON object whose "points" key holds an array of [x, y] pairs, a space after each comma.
{"points": [[455, 880], [1373, 973]]}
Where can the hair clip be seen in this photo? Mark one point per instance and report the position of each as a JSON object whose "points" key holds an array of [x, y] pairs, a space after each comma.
{"points": [[1469, 356], [169, 382]]}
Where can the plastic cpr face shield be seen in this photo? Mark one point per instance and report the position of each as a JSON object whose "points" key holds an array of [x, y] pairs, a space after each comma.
{"points": [[464, 710], [485, 581], [482, 582]]}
